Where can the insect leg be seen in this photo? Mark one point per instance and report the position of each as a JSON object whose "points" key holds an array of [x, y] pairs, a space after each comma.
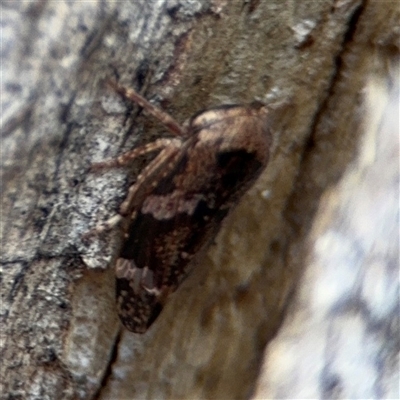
{"points": [[146, 180], [169, 122], [106, 225], [129, 156], [149, 178]]}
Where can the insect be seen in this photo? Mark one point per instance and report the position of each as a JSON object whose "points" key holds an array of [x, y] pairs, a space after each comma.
{"points": [[175, 207]]}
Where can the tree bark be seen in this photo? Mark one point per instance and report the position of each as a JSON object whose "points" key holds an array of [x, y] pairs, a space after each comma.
{"points": [[61, 337]]}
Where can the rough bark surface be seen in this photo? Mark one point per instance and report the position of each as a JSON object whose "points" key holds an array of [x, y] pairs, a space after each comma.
{"points": [[341, 336], [61, 337]]}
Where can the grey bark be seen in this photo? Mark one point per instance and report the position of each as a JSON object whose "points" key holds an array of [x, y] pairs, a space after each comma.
{"points": [[61, 338], [340, 338]]}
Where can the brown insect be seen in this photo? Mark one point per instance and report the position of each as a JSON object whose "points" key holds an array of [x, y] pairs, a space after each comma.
{"points": [[179, 200]]}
